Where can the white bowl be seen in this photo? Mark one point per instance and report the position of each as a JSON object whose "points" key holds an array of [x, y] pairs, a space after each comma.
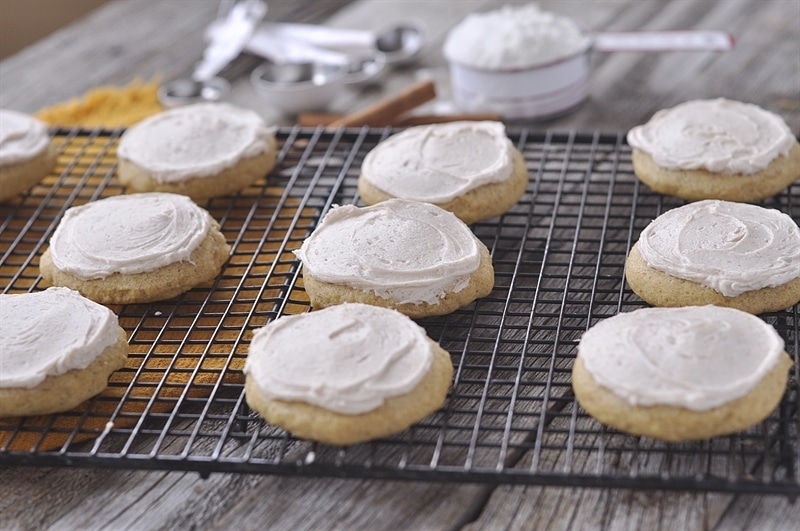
{"points": [[298, 87], [536, 92]]}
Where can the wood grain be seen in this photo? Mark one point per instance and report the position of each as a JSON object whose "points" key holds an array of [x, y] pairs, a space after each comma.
{"points": [[121, 41]]}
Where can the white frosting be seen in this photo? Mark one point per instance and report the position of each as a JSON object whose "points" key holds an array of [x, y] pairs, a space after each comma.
{"points": [[128, 234], [22, 137], [695, 357], [405, 250], [50, 332], [194, 141], [719, 135], [513, 37], [730, 247], [347, 358], [436, 163]]}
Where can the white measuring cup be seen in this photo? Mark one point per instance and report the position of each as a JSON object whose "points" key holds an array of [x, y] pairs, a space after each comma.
{"points": [[546, 90]]}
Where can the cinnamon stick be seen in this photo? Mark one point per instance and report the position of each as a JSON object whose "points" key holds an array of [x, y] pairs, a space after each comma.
{"points": [[386, 110], [313, 119]]}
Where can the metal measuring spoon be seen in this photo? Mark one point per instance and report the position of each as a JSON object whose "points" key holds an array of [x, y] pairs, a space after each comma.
{"points": [[395, 46], [364, 52], [226, 45], [186, 91], [402, 43]]}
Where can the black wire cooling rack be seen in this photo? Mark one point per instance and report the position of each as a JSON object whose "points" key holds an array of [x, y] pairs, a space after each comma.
{"points": [[510, 416]]}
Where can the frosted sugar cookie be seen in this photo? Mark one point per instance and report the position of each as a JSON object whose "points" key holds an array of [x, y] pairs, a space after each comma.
{"points": [[715, 149], [469, 168], [58, 350], [345, 374], [135, 248], [27, 154], [204, 150], [718, 252], [681, 373], [410, 256]]}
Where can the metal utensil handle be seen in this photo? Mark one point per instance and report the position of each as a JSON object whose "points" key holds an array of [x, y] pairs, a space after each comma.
{"points": [[662, 41], [230, 38], [280, 49], [324, 36]]}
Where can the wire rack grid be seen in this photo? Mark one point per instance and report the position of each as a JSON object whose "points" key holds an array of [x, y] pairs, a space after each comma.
{"points": [[510, 416]]}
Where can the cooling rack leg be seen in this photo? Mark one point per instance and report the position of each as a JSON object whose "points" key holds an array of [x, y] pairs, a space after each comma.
{"points": [[785, 449], [245, 418]]}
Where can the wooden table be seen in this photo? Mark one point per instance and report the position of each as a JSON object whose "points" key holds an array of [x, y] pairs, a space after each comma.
{"points": [[125, 39]]}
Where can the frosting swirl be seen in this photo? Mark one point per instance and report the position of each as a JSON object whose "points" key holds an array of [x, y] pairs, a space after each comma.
{"points": [[347, 358], [128, 234], [50, 332], [22, 137], [436, 163], [695, 357], [730, 247], [404, 250], [194, 141], [719, 135]]}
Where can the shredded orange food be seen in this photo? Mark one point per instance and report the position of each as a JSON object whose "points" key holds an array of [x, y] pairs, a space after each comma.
{"points": [[107, 106]]}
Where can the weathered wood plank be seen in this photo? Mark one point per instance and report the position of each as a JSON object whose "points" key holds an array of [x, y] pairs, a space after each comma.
{"points": [[763, 68], [123, 41], [626, 89]]}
